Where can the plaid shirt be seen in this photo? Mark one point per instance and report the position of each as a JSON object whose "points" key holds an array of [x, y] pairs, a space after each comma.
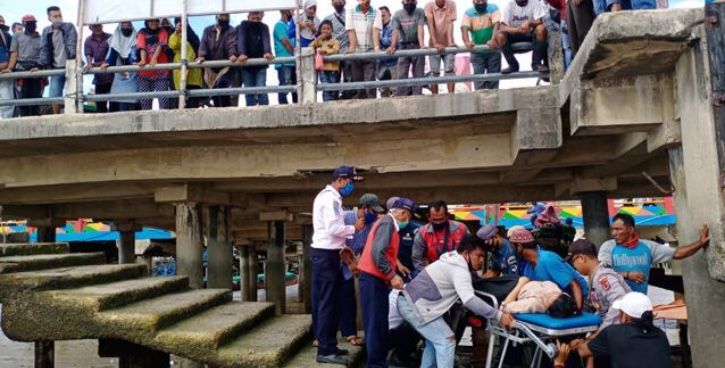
{"points": [[363, 25]]}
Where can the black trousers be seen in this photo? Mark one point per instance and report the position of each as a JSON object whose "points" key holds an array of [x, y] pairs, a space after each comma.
{"points": [[31, 88], [103, 89], [326, 290], [579, 19]]}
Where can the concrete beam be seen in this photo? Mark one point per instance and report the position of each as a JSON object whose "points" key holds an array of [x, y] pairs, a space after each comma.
{"points": [[536, 136], [191, 193], [282, 215], [76, 193]]}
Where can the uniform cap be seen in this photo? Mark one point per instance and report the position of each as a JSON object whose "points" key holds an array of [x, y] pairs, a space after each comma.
{"points": [[487, 232]]}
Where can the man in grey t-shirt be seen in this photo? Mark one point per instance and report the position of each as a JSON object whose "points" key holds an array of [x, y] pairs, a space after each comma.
{"points": [[25, 56], [58, 44], [409, 33]]}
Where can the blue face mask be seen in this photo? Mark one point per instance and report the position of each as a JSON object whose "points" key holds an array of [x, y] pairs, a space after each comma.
{"points": [[347, 189], [370, 217]]}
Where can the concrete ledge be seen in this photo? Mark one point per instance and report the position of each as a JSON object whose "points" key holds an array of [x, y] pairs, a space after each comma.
{"points": [[7, 250], [48, 261]]}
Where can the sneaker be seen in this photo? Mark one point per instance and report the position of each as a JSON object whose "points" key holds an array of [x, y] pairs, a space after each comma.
{"points": [[540, 68], [509, 70], [342, 352], [333, 359]]}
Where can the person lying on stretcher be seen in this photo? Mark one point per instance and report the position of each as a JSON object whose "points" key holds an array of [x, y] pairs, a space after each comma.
{"points": [[539, 297]]}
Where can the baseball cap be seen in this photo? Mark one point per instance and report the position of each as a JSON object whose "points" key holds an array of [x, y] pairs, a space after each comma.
{"points": [[633, 304], [512, 229], [581, 246], [370, 200], [486, 232], [346, 172], [390, 202], [521, 236], [28, 18], [405, 204]]}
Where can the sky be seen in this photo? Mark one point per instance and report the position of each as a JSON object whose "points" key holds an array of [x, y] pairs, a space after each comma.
{"points": [[13, 10]]}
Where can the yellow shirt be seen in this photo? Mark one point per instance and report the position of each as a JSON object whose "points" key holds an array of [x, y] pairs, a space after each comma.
{"points": [[194, 75], [331, 46]]}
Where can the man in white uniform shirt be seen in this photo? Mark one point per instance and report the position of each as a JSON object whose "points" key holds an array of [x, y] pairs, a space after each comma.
{"points": [[328, 240]]}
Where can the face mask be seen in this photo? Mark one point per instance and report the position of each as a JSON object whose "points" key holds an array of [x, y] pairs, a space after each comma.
{"points": [[522, 3], [4, 27], [339, 8], [30, 27], [481, 8], [347, 189], [370, 217], [410, 8], [126, 32], [222, 23], [57, 23], [438, 226], [403, 224]]}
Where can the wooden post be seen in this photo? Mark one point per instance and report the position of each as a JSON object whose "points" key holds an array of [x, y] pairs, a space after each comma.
{"points": [[274, 270], [221, 257], [127, 247], [189, 246], [595, 211], [253, 271], [44, 354]]}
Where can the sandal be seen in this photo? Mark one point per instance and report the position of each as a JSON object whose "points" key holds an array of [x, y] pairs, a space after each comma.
{"points": [[315, 343], [355, 340]]}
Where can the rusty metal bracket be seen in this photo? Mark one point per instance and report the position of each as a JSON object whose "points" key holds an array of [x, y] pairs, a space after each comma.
{"points": [[657, 185]]}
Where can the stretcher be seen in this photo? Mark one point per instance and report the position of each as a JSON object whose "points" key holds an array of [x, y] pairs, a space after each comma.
{"points": [[538, 328]]}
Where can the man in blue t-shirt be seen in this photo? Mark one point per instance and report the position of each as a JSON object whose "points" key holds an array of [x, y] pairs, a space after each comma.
{"points": [[543, 265], [633, 257]]}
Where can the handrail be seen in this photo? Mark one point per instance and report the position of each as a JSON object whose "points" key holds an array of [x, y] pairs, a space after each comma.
{"points": [[519, 46], [426, 81]]}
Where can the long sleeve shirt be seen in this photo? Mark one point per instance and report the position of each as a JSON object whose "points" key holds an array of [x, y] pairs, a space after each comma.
{"points": [[95, 51], [218, 44], [253, 40], [328, 223]]}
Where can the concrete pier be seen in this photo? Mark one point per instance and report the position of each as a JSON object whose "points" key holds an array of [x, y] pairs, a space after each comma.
{"points": [[44, 354], [219, 268], [274, 269], [595, 212], [189, 244], [305, 276]]}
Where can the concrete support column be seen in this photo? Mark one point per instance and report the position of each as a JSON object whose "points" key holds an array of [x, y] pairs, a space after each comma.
{"points": [[244, 275], [127, 247], [131, 355], [308, 76], [46, 234], [274, 269], [596, 216], [253, 271], [189, 245], [221, 257], [305, 278], [44, 354]]}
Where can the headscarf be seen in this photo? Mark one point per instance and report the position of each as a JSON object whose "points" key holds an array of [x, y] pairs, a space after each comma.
{"points": [[146, 29], [122, 44], [191, 36], [310, 3]]}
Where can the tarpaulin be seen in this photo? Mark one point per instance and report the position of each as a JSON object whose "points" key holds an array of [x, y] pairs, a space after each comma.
{"points": [[112, 11]]}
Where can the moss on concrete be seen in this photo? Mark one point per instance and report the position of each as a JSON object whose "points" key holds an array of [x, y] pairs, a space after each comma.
{"points": [[48, 261], [200, 335], [268, 345], [7, 250], [306, 357]]}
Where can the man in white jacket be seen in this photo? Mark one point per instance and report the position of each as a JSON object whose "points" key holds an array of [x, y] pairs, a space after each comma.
{"points": [[429, 296]]}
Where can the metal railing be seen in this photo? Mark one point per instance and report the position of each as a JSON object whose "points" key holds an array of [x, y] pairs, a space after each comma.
{"points": [[304, 63]]}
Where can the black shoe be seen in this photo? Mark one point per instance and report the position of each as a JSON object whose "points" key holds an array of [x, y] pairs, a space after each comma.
{"points": [[333, 359], [540, 68], [342, 352], [394, 361], [509, 70]]}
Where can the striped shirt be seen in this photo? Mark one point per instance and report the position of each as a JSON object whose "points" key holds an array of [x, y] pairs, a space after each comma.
{"points": [[363, 24]]}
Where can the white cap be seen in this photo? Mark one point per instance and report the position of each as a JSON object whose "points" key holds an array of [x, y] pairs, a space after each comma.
{"points": [[512, 229], [633, 304], [310, 3]]}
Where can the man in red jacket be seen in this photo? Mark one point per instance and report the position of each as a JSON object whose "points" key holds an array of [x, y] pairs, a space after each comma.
{"points": [[441, 235], [378, 265]]}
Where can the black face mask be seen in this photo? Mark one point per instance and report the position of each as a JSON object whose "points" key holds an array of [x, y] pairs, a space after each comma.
{"points": [[410, 8], [522, 3], [126, 32], [4, 28], [222, 23], [30, 27], [339, 8], [481, 8], [438, 226]]}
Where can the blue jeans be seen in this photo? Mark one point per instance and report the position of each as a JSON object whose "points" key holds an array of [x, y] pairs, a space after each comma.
{"points": [[330, 78], [255, 78], [565, 44], [440, 342], [486, 64], [57, 84], [287, 77], [374, 300]]}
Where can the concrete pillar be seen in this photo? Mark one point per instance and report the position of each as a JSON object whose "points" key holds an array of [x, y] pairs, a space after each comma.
{"points": [[131, 355], [46, 234], [189, 245], [556, 57], [221, 257], [595, 212], [44, 354], [253, 271], [127, 247], [305, 278], [274, 268], [244, 275], [308, 76]]}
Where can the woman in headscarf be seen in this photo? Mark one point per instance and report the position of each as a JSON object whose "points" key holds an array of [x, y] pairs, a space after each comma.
{"points": [[193, 77], [123, 52], [151, 42]]}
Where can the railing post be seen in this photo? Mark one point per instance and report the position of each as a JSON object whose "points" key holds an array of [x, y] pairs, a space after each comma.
{"points": [[72, 94], [184, 62], [308, 76]]}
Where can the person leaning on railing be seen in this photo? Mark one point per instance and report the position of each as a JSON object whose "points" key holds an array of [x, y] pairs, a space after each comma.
{"points": [[253, 42], [284, 46], [25, 56], [151, 42], [481, 22], [95, 48], [219, 42], [58, 45], [364, 24], [7, 89], [522, 21], [193, 76], [123, 52], [409, 34], [325, 44]]}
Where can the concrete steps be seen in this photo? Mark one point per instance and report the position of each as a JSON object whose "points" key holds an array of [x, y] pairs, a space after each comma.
{"points": [[268, 345], [24, 249], [116, 294], [202, 334], [48, 261], [306, 357]]}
